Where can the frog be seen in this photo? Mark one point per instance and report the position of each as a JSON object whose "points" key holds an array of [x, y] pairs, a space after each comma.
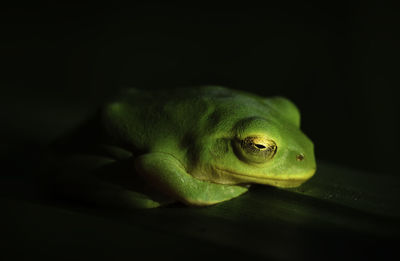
{"points": [[198, 146]]}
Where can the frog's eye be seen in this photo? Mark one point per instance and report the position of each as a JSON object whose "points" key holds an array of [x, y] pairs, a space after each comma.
{"points": [[256, 149]]}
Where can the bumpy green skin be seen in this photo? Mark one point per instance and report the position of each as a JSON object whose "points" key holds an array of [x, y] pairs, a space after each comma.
{"points": [[184, 145]]}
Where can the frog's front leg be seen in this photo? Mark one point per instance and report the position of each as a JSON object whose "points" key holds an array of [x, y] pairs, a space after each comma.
{"points": [[167, 174]]}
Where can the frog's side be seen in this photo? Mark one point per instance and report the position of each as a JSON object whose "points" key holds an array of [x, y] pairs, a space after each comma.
{"points": [[199, 146]]}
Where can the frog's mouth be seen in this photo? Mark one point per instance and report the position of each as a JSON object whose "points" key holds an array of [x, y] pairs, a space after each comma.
{"points": [[235, 177]]}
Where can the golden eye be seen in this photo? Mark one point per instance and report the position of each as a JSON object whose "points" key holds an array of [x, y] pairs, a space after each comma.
{"points": [[257, 149]]}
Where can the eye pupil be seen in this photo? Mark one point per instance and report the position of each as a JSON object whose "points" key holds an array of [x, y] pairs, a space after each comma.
{"points": [[260, 146]]}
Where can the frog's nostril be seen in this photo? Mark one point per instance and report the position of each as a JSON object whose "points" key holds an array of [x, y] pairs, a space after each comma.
{"points": [[300, 157]]}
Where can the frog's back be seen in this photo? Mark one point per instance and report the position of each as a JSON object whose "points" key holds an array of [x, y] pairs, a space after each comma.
{"points": [[144, 119]]}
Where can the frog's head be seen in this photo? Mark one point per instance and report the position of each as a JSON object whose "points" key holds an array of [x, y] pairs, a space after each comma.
{"points": [[264, 145]]}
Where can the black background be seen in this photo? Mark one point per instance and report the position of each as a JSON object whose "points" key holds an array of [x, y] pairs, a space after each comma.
{"points": [[337, 60]]}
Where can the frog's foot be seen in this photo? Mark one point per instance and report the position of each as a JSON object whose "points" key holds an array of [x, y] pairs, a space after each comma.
{"points": [[167, 174], [106, 182]]}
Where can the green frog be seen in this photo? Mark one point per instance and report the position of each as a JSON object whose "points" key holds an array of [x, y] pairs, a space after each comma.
{"points": [[199, 146]]}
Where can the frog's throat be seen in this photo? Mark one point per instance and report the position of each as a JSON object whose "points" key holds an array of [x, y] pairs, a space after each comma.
{"points": [[282, 183]]}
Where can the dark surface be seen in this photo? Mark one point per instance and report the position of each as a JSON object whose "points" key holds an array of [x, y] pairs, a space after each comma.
{"points": [[336, 61], [334, 216]]}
